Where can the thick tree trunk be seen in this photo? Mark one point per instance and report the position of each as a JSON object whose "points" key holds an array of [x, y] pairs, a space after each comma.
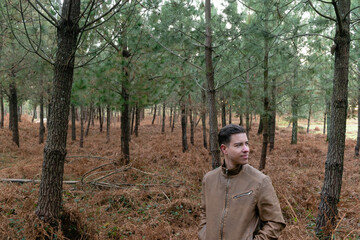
{"points": [[13, 109], [265, 102], [163, 119], [125, 113], [214, 146], [73, 123], [183, 126], [203, 118], [154, 116], [137, 120], [82, 118], [1, 108], [330, 193], [50, 193], [41, 127], [108, 123]]}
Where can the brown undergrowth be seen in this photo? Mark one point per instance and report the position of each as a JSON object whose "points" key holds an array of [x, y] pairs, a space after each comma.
{"points": [[158, 195]]}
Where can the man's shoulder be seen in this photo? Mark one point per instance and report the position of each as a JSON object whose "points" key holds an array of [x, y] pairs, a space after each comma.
{"points": [[254, 173], [212, 173]]}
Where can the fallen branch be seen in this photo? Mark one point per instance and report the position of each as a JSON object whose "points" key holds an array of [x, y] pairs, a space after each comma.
{"points": [[14, 180]]}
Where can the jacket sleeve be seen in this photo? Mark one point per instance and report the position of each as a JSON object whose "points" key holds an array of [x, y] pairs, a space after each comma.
{"points": [[269, 212], [202, 224]]}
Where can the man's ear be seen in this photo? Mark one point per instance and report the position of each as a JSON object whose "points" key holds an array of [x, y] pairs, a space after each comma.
{"points": [[223, 148]]}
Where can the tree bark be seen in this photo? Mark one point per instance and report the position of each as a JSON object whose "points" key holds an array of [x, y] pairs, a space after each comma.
{"points": [[101, 122], [330, 193], [91, 119], [294, 131], [133, 109], [223, 111], [309, 116], [34, 114], [125, 113], [154, 116], [163, 119], [214, 146], [73, 123], [137, 119], [328, 119], [261, 124], [171, 115], [173, 120], [13, 109], [50, 193], [108, 123], [265, 101], [82, 116], [183, 126], [272, 123], [357, 147], [230, 114], [41, 126], [203, 117], [1, 107], [192, 124]]}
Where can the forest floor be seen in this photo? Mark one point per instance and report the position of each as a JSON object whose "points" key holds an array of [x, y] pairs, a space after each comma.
{"points": [[158, 195]]}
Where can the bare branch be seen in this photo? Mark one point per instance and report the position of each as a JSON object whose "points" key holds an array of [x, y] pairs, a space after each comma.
{"points": [[54, 23], [324, 16], [104, 15], [351, 11]]}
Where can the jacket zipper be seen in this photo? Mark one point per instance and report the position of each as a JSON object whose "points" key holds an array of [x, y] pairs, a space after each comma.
{"points": [[243, 194], [224, 212]]}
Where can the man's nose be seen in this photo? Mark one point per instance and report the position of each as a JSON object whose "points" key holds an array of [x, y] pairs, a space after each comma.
{"points": [[245, 148]]}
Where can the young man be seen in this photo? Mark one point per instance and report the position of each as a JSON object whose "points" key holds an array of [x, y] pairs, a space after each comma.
{"points": [[238, 201]]}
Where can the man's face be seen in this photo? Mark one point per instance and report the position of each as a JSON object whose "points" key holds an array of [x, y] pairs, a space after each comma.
{"points": [[237, 151]]}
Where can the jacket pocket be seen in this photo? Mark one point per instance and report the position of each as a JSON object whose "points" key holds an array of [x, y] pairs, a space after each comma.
{"points": [[243, 194]]}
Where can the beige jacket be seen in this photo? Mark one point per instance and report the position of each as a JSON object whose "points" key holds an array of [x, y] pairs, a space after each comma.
{"points": [[239, 204]]}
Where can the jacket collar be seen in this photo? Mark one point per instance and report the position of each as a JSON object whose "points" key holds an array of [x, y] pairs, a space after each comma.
{"points": [[230, 172]]}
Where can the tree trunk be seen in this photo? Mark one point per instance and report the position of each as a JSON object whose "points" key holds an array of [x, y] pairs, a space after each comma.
{"points": [[163, 119], [330, 193], [50, 193], [308, 124], [230, 114], [214, 146], [137, 120], [13, 109], [154, 116], [108, 123], [192, 126], [294, 107], [41, 127], [241, 122], [247, 110], [265, 101], [91, 118], [2, 114], [272, 123], [357, 147], [328, 119], [203, 117], [183, 126], [132, 119], [73, 123], [173, 121], [101, 122], [223, 111], [125, 113], [261, 124], [34, 114], [171, 113], [82, 117]]}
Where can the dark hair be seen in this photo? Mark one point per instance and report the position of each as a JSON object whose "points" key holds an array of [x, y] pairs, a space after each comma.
{"points": [[226, 132]]}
